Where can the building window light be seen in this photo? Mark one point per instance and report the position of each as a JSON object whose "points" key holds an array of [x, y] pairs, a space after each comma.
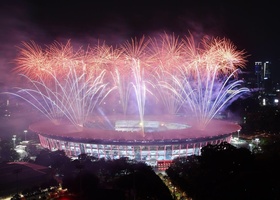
{"points": [[263, 102]]}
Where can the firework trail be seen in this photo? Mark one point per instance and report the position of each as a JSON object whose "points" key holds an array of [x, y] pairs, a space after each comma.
{"points": [[59, 85], [138, 60], [195, 78], [209, 77], [168, 56]]}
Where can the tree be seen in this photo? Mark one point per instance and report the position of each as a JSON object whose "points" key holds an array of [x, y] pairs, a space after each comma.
{"points": [[213, 175], [54, 159], [107, 179]]}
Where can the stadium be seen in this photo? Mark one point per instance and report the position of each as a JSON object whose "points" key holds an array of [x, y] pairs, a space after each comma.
{"points": [[150, 100], [165, 138]]}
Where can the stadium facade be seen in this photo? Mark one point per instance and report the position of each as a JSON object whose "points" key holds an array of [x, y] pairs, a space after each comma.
{"points": [[163, 140]]}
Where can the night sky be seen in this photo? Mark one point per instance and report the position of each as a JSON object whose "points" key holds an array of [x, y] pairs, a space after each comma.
{"points": [[251, 26]]}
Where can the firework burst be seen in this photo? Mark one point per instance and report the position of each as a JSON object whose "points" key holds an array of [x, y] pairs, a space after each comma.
{"points": [[197, 78]]}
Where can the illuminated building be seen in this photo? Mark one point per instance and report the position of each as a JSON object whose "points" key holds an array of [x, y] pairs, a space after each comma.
{"points": [[169, 140]]}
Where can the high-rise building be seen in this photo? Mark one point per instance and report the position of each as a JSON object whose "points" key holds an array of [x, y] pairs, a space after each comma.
{"points": [[263, 76], [258, 73], [268, 93]]}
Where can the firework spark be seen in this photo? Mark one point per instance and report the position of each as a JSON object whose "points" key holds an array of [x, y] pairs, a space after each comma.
{"points": [[198, 78]]}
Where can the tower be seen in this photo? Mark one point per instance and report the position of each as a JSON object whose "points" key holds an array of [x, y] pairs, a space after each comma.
{"points": [[258, 73], [267, 82], [263, 76]]}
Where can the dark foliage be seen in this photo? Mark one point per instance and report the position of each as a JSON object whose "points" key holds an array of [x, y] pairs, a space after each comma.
{"points": [[121, 179], [264, 119], [225, 172]]}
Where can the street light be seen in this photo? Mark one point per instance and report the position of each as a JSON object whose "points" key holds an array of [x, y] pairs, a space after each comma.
{"points": [[25, 131], [257, 141], [251, 146], [174, 192]]}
